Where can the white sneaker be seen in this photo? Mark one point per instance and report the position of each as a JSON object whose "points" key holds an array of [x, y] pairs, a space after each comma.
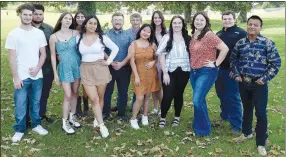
{"points": [[95, 123], [40, 130], [67, 128], [73, 121], [145, 120], [261, 150], [154, 111], [134, 123], [103, 130], [242, 138], [17, 137]]}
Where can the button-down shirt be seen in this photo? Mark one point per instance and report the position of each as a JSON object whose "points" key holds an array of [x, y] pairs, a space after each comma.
{"points": [[122, 39], [257, 59], [47, 66]]}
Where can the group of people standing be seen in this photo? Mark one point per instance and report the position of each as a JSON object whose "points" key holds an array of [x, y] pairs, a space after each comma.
{"points": [[158, 61]]}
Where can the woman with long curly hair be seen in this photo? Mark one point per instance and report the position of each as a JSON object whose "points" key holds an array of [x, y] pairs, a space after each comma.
{"points": [[204, 68]]}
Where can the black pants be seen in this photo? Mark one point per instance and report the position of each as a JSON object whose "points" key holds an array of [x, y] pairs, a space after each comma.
{"points": [[175, 90], [255, 96], [122, 78], [47, 85]]}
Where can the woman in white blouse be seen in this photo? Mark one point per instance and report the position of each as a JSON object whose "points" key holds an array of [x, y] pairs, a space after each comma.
{"points": [[174, 58], [94, 69]]}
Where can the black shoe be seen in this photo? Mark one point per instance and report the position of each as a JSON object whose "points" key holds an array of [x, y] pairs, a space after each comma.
{"points": [[105, 117], [114, 109], [124, 118], [49, 120]]}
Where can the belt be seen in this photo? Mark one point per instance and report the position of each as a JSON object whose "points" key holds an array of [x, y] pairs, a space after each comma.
{"points": [[249, 79]]}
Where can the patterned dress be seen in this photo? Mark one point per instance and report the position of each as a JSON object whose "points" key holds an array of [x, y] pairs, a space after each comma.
{"points": [[149, 81], [68, 67]]}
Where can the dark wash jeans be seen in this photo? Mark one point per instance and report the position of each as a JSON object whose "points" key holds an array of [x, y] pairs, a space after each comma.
{"points": [[202, 79], [33, 90], [255, 96], [122, 78], [230, 102]]}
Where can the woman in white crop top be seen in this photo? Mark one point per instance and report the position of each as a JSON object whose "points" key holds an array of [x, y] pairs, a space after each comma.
{"points": [[94, 69]]}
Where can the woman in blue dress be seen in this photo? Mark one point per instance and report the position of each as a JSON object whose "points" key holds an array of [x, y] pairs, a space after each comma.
{"points": [[63, 44]]}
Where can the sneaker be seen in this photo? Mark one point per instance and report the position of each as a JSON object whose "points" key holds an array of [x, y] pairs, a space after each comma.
{"points": [[17, 137], [103, 130], [124, 118], [134, 124], [49, 120], [261, 151], [175, 122], [242, 138], [154, 111], [40, 130], [67, 128], [114, 109], [95, 123], [73, 121], [145, 120]]}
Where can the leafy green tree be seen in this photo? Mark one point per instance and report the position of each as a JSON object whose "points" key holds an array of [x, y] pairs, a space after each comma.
{"points": [[88, 6]]}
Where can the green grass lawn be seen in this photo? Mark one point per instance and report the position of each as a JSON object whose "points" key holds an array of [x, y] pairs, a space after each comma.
{"points": [[149, 141]]}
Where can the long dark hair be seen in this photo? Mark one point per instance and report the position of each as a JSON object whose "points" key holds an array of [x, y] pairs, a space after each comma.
{"points": [[98, 30], [59, 22], [207, 27], [185, 35], [79, 12], [163, 27], [152, 35]]}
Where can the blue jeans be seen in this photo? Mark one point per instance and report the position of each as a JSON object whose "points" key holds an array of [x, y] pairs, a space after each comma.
{"points": [[202, 80], [33, 90], [230, 103], [122, 78], [254, 95]]}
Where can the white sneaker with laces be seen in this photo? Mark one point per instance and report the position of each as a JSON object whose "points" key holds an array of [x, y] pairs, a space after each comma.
{"points": [[67, 128], [73, 120], [134, 123], [40, 130], [17, 137], [103, 130], [95, 123], [154, 111], [242, 138], [261, 150], [145, 120]]}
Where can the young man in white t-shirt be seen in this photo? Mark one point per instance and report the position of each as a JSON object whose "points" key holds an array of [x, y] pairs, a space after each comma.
{"points": [[24, 44]]}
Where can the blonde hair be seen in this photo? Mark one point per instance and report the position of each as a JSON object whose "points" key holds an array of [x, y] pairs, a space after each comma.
{"points": [[135, 15]]}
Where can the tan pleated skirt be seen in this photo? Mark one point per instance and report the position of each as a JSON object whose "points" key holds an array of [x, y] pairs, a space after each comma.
{"points": [[94, 74]]}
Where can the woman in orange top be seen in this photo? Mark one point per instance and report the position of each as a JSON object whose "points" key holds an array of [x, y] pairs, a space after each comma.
{"points": [[144, 72], [204, 68]]}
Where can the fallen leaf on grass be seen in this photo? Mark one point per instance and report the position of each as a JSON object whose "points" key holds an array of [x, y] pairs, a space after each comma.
{"points": [[245, 153], [139, 143], [177, 149], [5, 147], [218, 150], [167, 133]]}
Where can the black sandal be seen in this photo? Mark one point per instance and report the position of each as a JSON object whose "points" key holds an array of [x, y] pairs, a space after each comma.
{"points": [[175, 122], [162, 123]]}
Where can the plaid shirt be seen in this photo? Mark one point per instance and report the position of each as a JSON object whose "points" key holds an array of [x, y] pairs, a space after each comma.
{"points": [[258, 59], [47, 29]]}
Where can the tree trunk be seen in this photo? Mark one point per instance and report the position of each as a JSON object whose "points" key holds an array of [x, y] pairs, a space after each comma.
{"points": [[188, 12], [243, 16], [87, 6]]}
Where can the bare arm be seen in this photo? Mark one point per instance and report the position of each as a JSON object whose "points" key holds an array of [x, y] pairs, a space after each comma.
{"points": [[13, 67], [53, 57]]}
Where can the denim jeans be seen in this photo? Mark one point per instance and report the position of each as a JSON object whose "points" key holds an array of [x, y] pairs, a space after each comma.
{"points": [[122, 78], [254, 96], [33, 90], [202, 80], [230, 103], [131, 104]]}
